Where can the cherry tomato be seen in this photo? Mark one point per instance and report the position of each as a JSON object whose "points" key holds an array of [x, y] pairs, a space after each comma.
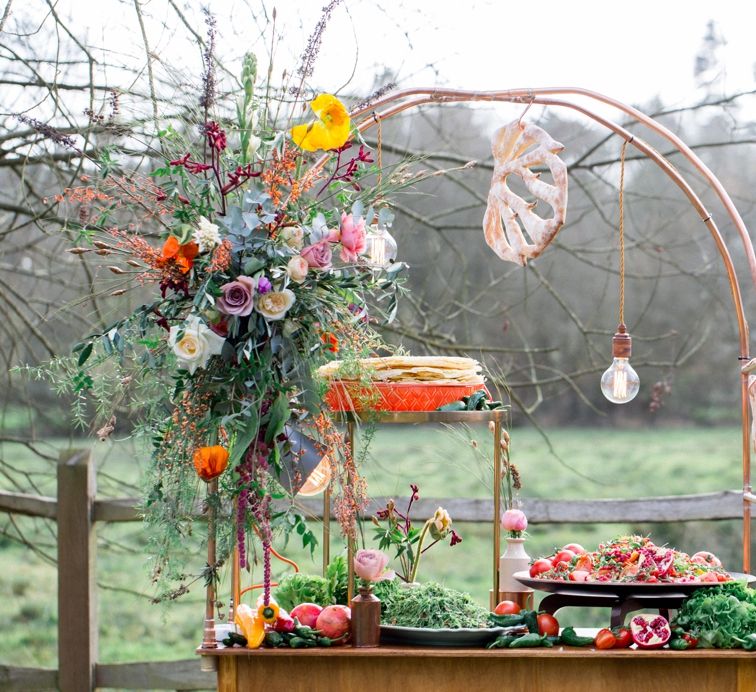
{"points": [[539, 567], [575, 548], [692, 641], [548, 624], [623, 636], [605, 639], [507, 608], [562, 556]]}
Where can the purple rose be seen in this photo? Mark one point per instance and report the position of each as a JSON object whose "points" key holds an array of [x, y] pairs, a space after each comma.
{"points": [[318, 256], [237, 297], [263, 285]]}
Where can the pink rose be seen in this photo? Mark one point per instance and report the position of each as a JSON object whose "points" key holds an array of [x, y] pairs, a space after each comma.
{"points": [[370, 565], [353, 237], [318, 256], [514, 520], [237, 298]]}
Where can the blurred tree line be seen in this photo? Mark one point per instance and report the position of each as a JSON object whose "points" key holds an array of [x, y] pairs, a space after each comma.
{"points": [[544, 331]]}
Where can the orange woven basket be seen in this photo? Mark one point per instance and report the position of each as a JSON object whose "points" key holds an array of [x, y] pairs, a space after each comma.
{"points": [[394, 396]]}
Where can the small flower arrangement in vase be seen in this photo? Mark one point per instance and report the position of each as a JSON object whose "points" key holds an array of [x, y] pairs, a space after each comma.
{"points": [[408, 540], [370, 567]]}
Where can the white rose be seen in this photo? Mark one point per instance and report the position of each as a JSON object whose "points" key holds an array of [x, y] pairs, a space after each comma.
{"points": [[293, 236], [206, 235], [297, 268], [275, 304], [196, 345]]}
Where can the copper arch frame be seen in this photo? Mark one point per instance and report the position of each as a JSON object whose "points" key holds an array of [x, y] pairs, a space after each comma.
{"points": [[400, 101]]}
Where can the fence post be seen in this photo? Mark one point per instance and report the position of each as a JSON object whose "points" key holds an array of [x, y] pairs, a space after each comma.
{"points": [[77, 604]]}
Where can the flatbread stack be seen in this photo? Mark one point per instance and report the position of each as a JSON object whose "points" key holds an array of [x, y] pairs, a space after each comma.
{"points": [[435, 370]]}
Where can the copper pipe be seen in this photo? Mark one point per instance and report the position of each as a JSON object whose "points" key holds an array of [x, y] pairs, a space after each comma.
{"points": [[532, 96], [435, 95], [208, 634]]}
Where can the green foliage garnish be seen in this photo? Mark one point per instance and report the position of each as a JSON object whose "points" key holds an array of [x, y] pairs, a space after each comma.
{"points": [[298, 588], [720, 616], [434, 606]]}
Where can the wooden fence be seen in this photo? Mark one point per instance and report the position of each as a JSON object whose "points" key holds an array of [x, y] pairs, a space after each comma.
{"points": [[77, 510]]}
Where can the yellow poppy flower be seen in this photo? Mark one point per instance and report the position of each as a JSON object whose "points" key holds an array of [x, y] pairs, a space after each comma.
{"points": [[331, 129]]}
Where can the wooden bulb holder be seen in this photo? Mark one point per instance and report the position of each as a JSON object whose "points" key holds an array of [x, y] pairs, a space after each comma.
{"points": [[622, 343]]}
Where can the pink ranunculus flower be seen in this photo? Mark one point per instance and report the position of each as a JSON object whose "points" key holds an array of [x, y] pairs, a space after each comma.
{"points": [[514, 520], [353, 237], [318, 256], [370, 565], [238, 297]]}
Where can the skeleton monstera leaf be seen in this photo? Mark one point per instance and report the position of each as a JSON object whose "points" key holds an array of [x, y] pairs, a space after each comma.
{"points": [[517, 148]]}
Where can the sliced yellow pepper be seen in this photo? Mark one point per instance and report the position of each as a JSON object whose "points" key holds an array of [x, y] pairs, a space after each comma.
{"points": [[251, 625], [268, 613]]}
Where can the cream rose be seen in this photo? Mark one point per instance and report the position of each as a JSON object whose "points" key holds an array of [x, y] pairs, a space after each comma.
{"points": [[275, 304], [206, 235], [293, 236], [195, 346], [297, 269]]}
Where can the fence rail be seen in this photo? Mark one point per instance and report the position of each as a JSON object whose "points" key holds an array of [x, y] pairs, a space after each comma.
{"points": [[77, 510]]}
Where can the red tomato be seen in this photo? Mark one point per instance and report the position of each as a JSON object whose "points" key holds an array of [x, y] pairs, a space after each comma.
{"points": [[605, 639], [539, 567], [692, 641], [575, 548], [507, 608], [563, 555], [624, 637], [548, 624]]}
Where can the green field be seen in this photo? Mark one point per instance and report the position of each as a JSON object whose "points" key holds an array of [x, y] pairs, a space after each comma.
{"points": [[591, 463]]}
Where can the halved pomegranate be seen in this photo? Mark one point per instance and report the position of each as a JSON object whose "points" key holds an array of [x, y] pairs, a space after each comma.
{"points": [[650, 631]]}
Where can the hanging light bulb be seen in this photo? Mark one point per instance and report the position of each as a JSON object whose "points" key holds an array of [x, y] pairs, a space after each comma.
{"points": [[620, 383], [380, 250], [318, 480]]}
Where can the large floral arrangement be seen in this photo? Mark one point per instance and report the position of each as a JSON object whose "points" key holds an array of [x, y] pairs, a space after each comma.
{"points": [[254, 243]]}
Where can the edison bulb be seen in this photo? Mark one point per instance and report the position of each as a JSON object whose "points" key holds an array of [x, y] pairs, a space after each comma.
{"points": [[380, 250], [620, 383]]}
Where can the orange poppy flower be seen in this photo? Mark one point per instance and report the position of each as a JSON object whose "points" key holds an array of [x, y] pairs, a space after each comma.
{"points": [[182, 255], [210, 462], [330, 342]]}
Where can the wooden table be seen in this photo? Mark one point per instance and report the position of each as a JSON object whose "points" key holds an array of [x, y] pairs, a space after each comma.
{"points": [[410, 669]]}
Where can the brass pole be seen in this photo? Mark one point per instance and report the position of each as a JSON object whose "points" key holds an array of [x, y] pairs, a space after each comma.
{"points": [[496, 511], [208, 634], [350, 540], [326, 527]]}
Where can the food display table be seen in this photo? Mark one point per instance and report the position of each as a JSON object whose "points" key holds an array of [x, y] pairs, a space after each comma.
{"points": [[450, 670]]}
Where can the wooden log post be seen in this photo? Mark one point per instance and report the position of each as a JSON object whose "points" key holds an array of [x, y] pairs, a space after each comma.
{"points": [[77, 604]]}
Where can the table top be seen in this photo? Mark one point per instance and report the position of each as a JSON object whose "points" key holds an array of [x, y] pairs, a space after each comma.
{"points": [[462, 652]]}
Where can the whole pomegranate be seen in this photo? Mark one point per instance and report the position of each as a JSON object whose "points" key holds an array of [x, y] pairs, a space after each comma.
{"points": [[334, 621], [650, 631]]}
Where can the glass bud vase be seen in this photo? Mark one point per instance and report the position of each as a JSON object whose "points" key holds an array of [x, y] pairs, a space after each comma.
{"points": [[514, 559], [366, 618]]}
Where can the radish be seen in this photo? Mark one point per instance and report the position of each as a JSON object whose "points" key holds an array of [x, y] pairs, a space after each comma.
{"points": [[334, 622], [307, 613]]}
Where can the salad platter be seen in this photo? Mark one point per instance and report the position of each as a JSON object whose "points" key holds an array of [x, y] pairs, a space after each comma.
{"points": [[622, 589], [428, 636]]}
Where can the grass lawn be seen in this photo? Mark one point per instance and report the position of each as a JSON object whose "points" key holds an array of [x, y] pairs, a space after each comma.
{"points": [[591, 464]]}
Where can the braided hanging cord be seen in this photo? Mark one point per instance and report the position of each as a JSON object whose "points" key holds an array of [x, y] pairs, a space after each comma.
{"points": [[622, 235]]}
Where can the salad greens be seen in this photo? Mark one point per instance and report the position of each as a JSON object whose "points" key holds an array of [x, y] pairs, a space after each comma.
{"points": [[723, 616]]}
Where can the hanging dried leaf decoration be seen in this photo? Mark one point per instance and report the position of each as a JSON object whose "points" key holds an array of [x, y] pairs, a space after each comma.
{"points": [[513, 230]]}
